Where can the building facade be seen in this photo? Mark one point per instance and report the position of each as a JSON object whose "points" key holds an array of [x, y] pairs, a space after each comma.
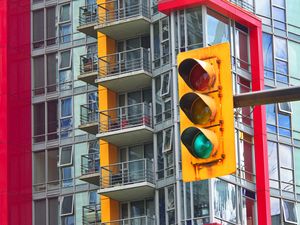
{"points": [[104, 121]]}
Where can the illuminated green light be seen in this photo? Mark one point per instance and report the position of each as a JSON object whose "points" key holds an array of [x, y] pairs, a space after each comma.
{"points": [[202, 146]]}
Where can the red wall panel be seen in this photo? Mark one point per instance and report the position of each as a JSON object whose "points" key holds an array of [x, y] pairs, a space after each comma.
{"points": [[15, 114]]}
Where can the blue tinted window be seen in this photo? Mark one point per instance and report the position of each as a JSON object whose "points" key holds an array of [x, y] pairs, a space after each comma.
{"points": [[66, 107], [280, 3], [268, 55], [284, 123], [271, 117], [280, 48], [279, 18]]}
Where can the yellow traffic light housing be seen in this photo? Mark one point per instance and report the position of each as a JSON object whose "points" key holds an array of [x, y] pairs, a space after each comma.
{"points": [[206, 113]]}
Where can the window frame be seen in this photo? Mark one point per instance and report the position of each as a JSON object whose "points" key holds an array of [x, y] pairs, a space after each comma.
{"points": [[164, 150], [61, 206], [284, 213], [163, 78], [70, 14], [70, 163], [60, 60]]}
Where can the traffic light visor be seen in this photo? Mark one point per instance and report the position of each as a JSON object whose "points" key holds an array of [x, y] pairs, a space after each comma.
{"points": [[199, 108], [201, 143], [198, 75]]}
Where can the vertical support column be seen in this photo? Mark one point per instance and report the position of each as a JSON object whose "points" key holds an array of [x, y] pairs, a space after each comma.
{"points": [[260, 131], [15, 114], [109, 153]]}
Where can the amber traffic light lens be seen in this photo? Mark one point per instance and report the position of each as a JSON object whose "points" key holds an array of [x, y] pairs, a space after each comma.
{"points": [[200, 112], [199, 78]]}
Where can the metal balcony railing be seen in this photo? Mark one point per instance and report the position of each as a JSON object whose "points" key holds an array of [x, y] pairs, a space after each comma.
{"points": [[110, 12], [125, 117], [89, 113], [91, 215], [244, 4], [142, 220], [125, 173], [90, 163], [124, 62], [88, 14], [89, 63]]}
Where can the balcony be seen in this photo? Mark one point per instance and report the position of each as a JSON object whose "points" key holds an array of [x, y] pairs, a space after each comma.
{"points": [[142, 220], [90, 168], [91, 215], [125, 71], [126, 125], [89, 118], [128, 180], [88, 20], [88, 68], [119, 21]]}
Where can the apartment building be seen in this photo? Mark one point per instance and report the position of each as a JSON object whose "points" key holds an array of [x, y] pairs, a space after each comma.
{"points": [[101, 145]]}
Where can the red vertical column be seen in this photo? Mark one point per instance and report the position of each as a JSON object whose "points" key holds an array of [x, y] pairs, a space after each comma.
{"points": [[260, 132], [15, 114]]}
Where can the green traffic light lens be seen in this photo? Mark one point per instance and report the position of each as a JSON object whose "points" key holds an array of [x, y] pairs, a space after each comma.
{"points": [[200, 112], [202, 146]]}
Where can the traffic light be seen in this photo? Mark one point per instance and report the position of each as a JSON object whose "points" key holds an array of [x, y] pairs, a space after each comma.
{"points": [[206, 113]]}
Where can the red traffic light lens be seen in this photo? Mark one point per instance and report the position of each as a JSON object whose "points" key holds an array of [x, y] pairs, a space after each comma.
{"points": [[199, 78], [199, 75]]}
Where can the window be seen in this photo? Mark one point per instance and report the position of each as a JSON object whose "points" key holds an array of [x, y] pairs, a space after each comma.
{"points": [[39, 122], [53, 171], [161, 42], [168, 108], [51, 26], [67, 176], [278, 13], [51, 72], [53, 205], [218, 29], [39, 177], [275, 211], [65, 60], [64, 14], [39, 75], [66, 207], [194, 27], [285, 107], [38, 28], [200, 192], [242, 47], [279, 119], [167, 139], [66, 121], [170, 205], [268, 55], [40, 212], [165, 84], [65, 33], [289, 212], [66, 156]]}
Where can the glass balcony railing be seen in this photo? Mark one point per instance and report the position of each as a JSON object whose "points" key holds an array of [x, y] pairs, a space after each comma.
{"points": [[90, 163], [142, 220], [111, 12], [89, 63], [91, 215], [89, 113], [125, 117], [124, 62], [88, 14], [126, 173]]}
